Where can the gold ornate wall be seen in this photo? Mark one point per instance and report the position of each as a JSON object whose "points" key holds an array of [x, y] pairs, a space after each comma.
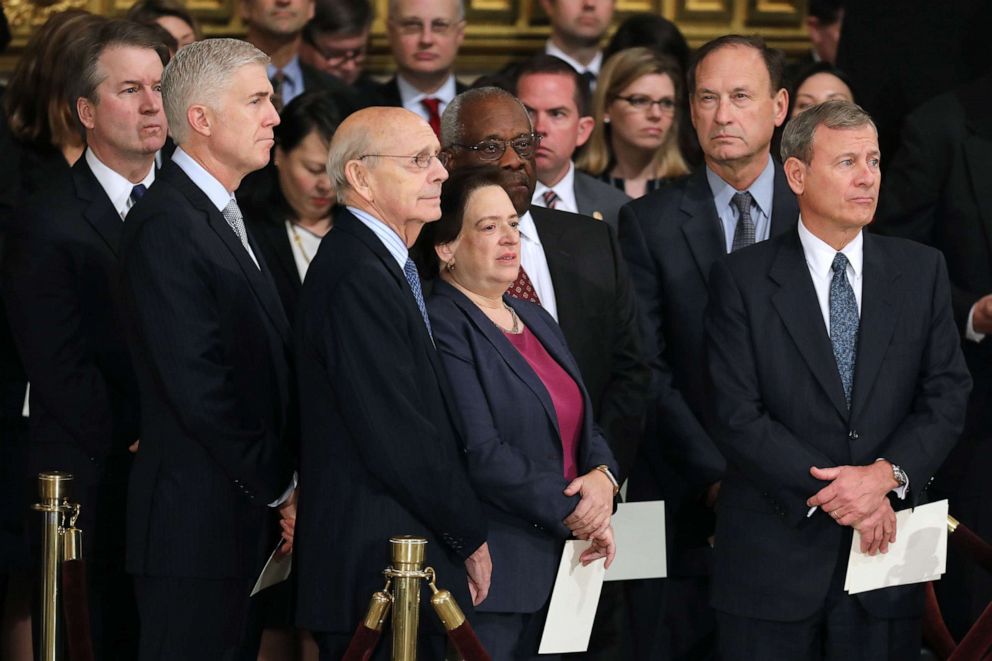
{"points": [[498, 30]]}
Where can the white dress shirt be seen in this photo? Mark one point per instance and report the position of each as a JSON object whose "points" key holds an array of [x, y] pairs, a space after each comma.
{"points": [[304, 244], [534, 261], [819, 260], [593, 67], [393, 242], [206, 182], [564, 189], [412, 97], [114, 184]]}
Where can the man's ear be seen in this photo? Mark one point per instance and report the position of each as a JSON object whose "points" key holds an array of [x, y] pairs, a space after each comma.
{"points": [[795, 174], [358, 179], [781, 101], [586, 125], [200, 119], [84, 108]]}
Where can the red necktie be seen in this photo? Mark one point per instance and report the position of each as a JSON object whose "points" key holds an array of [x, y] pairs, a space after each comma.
{"points": [[433, 116], [551, 199], [523, 288]]}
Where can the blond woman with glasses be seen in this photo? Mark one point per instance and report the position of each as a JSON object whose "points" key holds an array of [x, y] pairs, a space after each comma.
{"points": [[634, 144]]}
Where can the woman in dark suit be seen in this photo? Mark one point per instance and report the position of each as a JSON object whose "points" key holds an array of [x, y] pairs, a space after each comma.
{"points": [[541, 468], [289, 211]]}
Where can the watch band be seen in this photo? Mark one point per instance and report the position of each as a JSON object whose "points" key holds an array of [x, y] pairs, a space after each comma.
{"points": [[605, 470]]}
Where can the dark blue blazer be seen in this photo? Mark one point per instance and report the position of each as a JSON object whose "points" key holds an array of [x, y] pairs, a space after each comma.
{"points": [[513, 443]]}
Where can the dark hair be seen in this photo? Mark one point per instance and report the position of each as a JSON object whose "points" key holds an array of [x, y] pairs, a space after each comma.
{"points": [[165, 37], [549, 64], [455, 193], [116, 33], [650, 31], [827, 12], [809, 72], [147, 11], [37, 97], [773, 57], [345, 17]]}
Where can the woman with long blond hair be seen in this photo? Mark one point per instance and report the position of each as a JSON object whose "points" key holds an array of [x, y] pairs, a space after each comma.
{"points": [[634, 144]]}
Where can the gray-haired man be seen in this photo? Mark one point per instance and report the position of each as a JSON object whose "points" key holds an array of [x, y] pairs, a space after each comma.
{"points": [[211, 345]]}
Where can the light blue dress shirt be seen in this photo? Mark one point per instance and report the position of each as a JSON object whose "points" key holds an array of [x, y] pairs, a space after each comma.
{"points": [[762, 191], [292, 82]]}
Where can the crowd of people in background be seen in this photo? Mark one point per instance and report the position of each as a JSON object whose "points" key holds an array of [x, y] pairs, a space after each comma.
{"points": [[253, 296]]}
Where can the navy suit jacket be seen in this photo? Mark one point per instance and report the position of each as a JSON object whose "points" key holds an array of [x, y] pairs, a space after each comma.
{"points": [[381, 451], [513, 443], [211, 349], [670, 239], [779, 408]]}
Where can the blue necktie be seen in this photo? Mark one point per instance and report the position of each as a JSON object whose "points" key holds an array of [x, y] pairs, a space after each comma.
{"points": [[844, 322], [413, 279], [137, 192]]}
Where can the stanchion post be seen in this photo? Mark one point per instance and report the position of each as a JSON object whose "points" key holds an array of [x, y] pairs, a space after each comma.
{"points": [[408, 558], [53, 492]]}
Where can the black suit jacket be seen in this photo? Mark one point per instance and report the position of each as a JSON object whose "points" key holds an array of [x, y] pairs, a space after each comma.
{"points": [[779, 408], [936, 192], [671, 238], [598, 315], [60, 287], [389, 92], [346, 98], [381, 451], [267, 225], [211, 349]]}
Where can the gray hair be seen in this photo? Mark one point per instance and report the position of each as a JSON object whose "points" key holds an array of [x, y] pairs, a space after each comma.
{"points": [[452, 126], [348, 145], [797, 139], [198, 73], [459, 16]]}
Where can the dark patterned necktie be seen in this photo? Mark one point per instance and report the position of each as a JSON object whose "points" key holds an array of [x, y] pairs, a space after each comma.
{"points": [[413, 279], [551, 199], [433, 107], [844, 323], [232, 214], [523, 288], [744, 233]]}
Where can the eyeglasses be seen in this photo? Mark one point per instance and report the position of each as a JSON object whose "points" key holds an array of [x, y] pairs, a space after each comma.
{"points": [[411, 26], [336, 58], [420, 161], [642, 103], [493, 149]]}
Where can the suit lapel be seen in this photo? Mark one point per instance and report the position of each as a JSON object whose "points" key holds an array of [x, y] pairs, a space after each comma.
{"points": [[273, 232], [258, 276], [550, 226], [584, 201], [701, 228], [879, 312], [797, 305], [98, 210]]}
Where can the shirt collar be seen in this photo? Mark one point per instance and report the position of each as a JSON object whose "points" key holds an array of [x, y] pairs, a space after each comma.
{"points": [[206, 182], [116, 186], [762, 189], [528, 230], [820, 255], [565, 189], [593, 67], [410, 94], [389, 238], [292, 71]]}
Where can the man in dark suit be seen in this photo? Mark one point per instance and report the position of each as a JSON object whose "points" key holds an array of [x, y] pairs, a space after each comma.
{"points": [[557, 98], [571, 266], [424, 38], [275, 27], [381, 452], [838, 389], [211, 349], [60, 287], [336, 41], [934, 193], [670, 239]]}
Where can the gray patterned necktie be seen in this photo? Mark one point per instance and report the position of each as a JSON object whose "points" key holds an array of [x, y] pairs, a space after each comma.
{"points": [[413, 279], [744, 232], [844, 323], [232, 214]]}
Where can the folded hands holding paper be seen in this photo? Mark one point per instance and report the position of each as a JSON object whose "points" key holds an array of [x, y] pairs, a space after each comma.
{"points": [[857, 497], [591, 518]]}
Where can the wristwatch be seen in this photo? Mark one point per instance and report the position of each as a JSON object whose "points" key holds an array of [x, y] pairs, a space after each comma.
{"points": [[900, 475], [605, 470]]}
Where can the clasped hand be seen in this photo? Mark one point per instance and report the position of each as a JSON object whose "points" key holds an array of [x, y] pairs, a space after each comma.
{"points": [[856, 497], [592, 515]]}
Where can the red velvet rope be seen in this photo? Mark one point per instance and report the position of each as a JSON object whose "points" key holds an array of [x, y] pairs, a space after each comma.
{"points": [[467, 643], [75, 608], [362, 644], [935, 632]]}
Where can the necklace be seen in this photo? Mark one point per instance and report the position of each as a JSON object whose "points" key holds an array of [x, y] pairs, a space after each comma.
{"points": [[299, 242], [515, 328]]}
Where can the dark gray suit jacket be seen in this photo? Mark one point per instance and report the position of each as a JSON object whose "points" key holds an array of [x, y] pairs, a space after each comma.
{"points": [[598, 199]]}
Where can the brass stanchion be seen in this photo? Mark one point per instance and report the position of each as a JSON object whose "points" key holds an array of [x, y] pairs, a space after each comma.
{"points": [[53, 491], [408, 559]]}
